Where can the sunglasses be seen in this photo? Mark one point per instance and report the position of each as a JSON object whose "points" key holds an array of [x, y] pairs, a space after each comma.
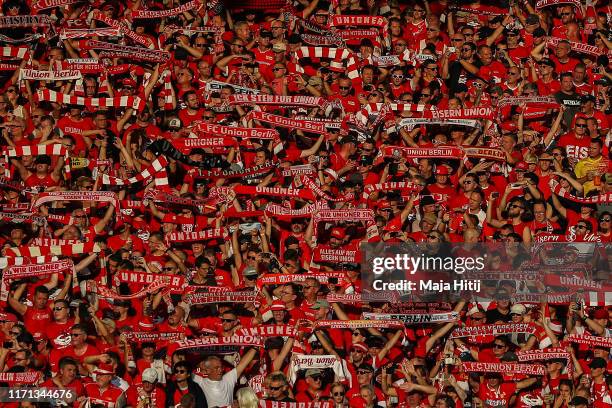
{"points": [[316, 378], [605, 220], [517, 206], [180, 371], [57, 309], [362, 372], [228, 320], [338, 394], [344, 87], [499, 346], [397, 76], [582, 125], [275, 388], [277, 69]]}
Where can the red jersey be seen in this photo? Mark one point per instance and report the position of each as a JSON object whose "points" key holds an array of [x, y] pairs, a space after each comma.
{"points": [[108, 397], [496, 397]]}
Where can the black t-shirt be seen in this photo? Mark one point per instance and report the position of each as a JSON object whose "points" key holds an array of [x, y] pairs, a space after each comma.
{"points": [[572, 105], [495, 315]]}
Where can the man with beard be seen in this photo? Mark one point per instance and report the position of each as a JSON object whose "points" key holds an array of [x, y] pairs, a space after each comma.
{"points": [[517, 212], [192, 112]]}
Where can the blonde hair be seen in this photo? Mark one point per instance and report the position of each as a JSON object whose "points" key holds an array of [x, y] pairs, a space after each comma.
{"points": [[247, 398]]}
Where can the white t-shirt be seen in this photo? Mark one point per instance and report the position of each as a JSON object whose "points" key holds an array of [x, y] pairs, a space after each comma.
{"points": [[219, 393]]}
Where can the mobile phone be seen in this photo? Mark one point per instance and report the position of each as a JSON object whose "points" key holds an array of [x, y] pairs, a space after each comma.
{"points": [[7, 344], [495, 194], [333, 281], [452, 49]]}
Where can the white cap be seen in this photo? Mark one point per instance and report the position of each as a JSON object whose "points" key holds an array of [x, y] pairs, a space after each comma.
{"points": [[149, 375], [518, 309]]}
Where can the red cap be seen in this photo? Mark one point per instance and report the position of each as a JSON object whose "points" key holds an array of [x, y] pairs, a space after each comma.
{"points": [[278, 305], [442, 171], [521, 166], [146, 324], [360, 346], [8, 317], [104, 368], [384, 204], [600, 314], [129, 82], [394, 225], [338, 232]]}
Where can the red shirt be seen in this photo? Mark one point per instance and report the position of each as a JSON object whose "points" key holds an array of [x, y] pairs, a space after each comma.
{"points": [[108, 397], [576, 148], [37, 320], [496, 397]]}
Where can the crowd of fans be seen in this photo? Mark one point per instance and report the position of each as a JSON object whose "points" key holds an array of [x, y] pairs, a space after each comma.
{"points": [[151, 138]]}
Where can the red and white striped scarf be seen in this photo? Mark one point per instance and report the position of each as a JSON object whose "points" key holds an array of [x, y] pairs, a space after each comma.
{"points": [[38, 5], [60, 250], [281, 121], [118, 101], [21, 52], [71, 33], [98, 196], [38, 150], [35, 270], [157, 170], [561, 192], [336, 54]]}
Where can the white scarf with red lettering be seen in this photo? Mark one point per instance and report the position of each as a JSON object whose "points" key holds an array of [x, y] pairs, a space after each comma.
{"points": [[49, 75], [110, 50], [281, 100], [97, 196], [492, 330], [155, 14], [282, 278], [561, 192], [359, 324], [123, 28], [224, 297], [35, 270]]}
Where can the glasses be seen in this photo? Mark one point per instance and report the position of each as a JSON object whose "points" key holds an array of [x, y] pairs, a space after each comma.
{"points": [[15, 333], [251, 257], [419, 10], [275, 388], [435, 30], [581, 227], [513, 73], [467, 181], [228, 320], [605, 220], [466, 49], [277, 69], [516, 206], [478, 318], [200, 44], [433, 237], [397, 76], [557, 154], [426, 95], [564, 14], [57, 309], [468, 34], [363, 372], [338, 394], [89, 187], [11, 90], [457, 39], [581, 125], [316, 378], [180, 371], [75, 334], [499, 346], [346, 88], [168, 268], [356, 333]]}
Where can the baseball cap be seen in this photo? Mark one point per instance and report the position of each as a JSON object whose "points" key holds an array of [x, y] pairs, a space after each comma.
{"points": [[518, 309], [311, 372], [149, 375], [320, 304], [548, 61], [278, 305], [128, 82], [279, 47], [600, 314], [249, 271], [442, 171], [532, 19], [360, 346], [427, 200], [521, 166], [384, 204], [265, 33], [587, 98], [338, 232], [175, 123], [104, 368], [8, 317], [365, 367]]}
